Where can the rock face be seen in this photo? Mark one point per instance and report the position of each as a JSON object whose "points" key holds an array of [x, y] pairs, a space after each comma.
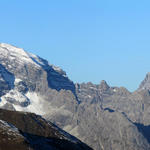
{"points": [[28, 131], [104, 117], [145, 83]]}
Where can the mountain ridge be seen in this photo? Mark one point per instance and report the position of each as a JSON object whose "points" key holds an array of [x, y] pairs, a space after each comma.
{"points": [[102, 116]]}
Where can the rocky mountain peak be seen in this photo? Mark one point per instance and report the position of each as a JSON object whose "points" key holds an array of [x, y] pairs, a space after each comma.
{"points": [[103, 85], [22, 57], [13, 52], [11, 47], [145, 84], [26, 78]]}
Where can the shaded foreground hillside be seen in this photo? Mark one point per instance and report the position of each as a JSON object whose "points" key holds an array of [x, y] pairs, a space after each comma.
{"points": [[24, 131]]}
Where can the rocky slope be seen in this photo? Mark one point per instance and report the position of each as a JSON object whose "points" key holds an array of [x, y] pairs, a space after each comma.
{"points": [[104, 117], [25, 131]]}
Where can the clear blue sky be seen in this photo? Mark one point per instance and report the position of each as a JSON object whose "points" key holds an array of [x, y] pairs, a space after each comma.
{"points": [[91, 40]]}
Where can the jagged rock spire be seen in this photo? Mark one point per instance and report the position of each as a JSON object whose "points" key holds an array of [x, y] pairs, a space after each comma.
{"points": [[145, 84], [103, 85]]}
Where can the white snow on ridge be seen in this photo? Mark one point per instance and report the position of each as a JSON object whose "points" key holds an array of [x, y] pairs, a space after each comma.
{"points": [[56, 68], [23, 57], [14, 53], [13, 49]]}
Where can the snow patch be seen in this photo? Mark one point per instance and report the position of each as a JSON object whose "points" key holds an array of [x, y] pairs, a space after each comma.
{"points": [[33, 100], [89, 96], [115, 90], [93, 88], [56, 68], [35, 105], [13, 94], [17, 80], [2, 101]]}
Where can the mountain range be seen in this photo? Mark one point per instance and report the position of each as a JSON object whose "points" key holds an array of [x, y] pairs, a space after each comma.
{"points": [[103, 117]]}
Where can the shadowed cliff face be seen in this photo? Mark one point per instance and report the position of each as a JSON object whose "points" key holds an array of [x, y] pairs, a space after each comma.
{"points": [[104, 117], [56, 77], [29, 131], [6, 80]]}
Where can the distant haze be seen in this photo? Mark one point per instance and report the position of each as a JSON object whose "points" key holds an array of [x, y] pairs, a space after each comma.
{"points": [[91, 40]]}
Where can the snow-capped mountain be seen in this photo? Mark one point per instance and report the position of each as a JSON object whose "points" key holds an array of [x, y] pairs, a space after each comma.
{"points": [[24, 77], [104, 117]]}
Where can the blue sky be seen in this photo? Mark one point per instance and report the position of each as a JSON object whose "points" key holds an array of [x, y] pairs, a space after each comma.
{"points": [[91, 40]]}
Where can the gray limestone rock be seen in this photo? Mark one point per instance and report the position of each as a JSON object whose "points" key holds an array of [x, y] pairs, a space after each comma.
{"points": [[145, 84], [106, 118]]}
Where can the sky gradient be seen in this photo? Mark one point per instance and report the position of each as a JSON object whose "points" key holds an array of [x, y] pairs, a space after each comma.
{"points": [[92, 40]]}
